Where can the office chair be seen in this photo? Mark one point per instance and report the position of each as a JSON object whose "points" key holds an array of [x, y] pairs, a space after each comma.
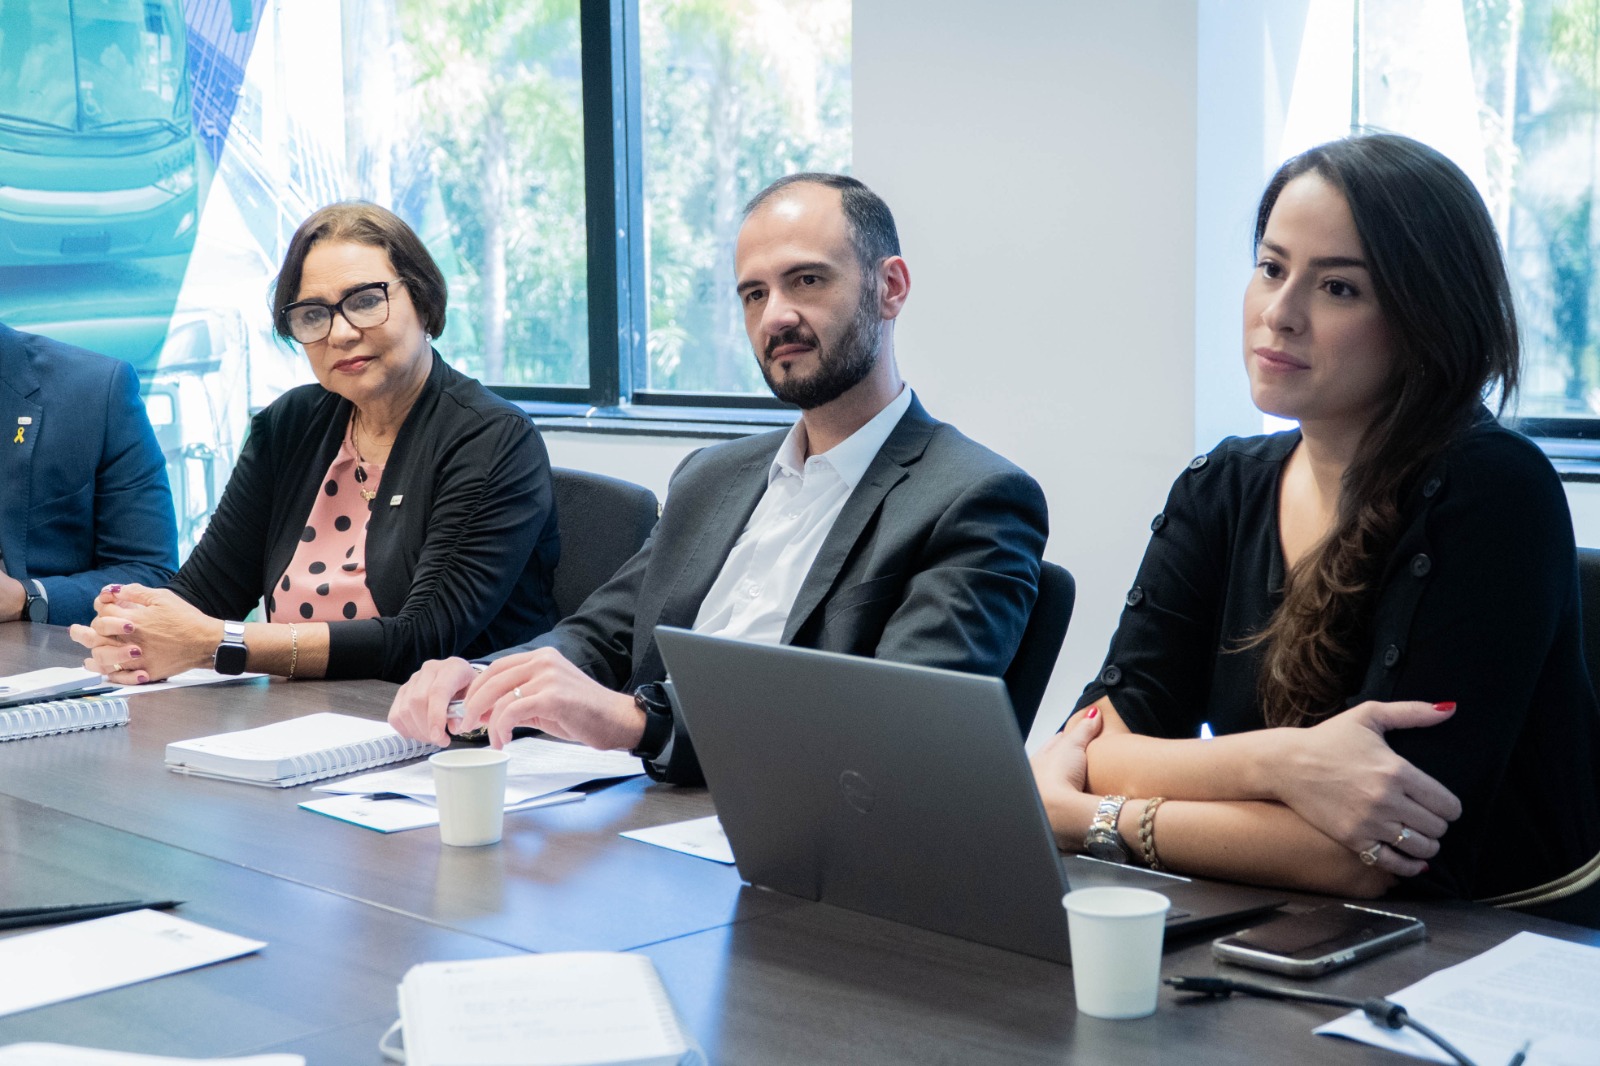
{"points": [[1036, 656], [1576, 897], [603, 521]]}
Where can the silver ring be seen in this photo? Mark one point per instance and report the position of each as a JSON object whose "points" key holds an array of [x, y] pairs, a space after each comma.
{"points": [[517, 692], [1405, 835], [1370, 856]]}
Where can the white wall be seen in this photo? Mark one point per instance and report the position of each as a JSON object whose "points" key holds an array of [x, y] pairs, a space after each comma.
{"points": [[1039, 158]]}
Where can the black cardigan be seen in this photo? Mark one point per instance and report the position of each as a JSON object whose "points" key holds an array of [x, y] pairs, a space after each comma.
{"points": [[461, 548], [1478, 604]]}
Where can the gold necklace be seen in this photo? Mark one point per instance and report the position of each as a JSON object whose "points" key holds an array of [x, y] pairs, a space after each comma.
{"points": [[361, 474]]}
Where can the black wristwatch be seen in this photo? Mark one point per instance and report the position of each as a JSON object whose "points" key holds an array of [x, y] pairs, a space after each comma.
{"points": [[657, 707], [35, 604], [231, 653]]}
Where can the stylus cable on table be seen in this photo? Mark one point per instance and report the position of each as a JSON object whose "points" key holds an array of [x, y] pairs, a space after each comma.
{"points": [[1379, 1011]]}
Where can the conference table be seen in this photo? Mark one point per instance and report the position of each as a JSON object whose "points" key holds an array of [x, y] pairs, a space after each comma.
{"points": [[758, 977]]}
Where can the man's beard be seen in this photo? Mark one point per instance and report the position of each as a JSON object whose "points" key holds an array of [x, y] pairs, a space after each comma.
{"points": [[840, 366]]}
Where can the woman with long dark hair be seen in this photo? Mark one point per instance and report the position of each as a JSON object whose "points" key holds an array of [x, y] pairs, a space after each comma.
{"points": [[1377, 613]]}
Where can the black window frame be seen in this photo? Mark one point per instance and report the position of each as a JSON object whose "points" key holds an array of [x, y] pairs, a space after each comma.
{"points": [[618, 290]]}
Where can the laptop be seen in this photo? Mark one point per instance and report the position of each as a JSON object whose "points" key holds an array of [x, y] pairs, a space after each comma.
{"points": [[897, 791]]}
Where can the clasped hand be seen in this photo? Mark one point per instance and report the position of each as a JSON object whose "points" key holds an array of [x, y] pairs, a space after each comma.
{"points": [[142, 634], [538, 688]]}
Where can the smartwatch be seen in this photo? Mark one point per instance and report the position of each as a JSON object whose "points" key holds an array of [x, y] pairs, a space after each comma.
{"points": [[35, 604], [1104, 842], [652, 699], [231, 653]]}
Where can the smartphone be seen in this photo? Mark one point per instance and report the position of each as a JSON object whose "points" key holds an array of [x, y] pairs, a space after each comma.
{"points": [[1319, 940]]}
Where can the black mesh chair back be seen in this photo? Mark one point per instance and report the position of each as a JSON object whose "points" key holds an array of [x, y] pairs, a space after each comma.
{"points": [[603, 522], [1036, 656]]}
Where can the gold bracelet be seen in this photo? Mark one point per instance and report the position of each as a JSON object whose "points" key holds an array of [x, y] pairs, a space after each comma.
{"points": [[294, 649], [1147, 833]]}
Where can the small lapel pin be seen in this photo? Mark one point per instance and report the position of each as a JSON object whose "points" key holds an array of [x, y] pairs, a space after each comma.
{"points": [[394, 501], [18, 438], [25, 420]]}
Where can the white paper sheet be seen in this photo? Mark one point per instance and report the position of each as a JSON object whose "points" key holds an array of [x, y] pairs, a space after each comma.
{"points": [[538, 767], [197, 676], [17, 686], [64, 1055], [396, 814], [69, 961], [1530, 987], [45, 683], [701, 837]]}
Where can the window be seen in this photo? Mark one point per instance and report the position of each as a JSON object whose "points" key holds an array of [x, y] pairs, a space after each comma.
{"points": [[497, 91], [1510, 89], [577, 168], [735, 95]]}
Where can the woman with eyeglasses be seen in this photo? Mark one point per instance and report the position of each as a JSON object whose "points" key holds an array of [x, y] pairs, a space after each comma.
{"points": [[392, 513], [1377, 613]]}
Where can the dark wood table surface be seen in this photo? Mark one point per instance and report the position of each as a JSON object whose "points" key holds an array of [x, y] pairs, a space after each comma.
{"points": [[759, 977]]}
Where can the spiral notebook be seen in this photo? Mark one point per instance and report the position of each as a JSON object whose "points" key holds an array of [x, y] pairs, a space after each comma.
{"points": [[295, 751], [597, 1008], [62, 716]]}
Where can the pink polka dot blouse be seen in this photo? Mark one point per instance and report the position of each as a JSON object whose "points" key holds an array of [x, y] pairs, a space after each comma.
{"points": [[326, 581]]}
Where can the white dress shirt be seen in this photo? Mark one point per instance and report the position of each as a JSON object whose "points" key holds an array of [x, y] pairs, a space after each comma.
{"points": [[761, 578]]}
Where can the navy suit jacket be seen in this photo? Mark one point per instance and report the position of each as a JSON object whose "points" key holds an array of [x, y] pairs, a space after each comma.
{"points": [[84, 500], [934, 560]]}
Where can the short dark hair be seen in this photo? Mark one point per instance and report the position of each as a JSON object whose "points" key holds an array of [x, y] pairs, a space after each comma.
{"points": [[872, 231], [364, 223]]}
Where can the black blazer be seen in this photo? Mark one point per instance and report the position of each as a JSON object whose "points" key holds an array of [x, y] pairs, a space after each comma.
{"points": [[461, 548], [934, 560]]}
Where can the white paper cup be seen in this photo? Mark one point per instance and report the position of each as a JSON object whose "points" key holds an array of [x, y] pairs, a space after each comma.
{"points": [[1116, 949], [471, 783]]}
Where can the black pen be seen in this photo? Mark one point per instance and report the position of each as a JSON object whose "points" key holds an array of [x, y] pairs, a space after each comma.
{"points": [[21, 917]]}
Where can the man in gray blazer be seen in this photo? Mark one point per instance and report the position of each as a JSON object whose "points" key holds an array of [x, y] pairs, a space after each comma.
{"points": [[869, 528]]}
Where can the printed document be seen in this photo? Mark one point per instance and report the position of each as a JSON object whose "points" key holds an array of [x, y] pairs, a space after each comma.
{"points": [[394, 814], [63, 1055], [1530, 988], [701, 837], [68, 961], [538, 767]]}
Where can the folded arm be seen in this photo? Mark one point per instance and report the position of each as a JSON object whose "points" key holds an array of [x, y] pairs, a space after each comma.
{"points": [[1261, 842], [1340, 776]]}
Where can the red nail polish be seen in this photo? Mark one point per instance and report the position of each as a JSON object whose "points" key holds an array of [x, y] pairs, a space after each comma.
{"points": [[1093, 712], [134, 653], [1447, 706], [1424, 867], [115, 589], [127, 627], [141, 679]]}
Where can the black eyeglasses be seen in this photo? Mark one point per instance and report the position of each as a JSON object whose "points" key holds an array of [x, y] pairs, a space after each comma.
{"points": [[365, 306]]}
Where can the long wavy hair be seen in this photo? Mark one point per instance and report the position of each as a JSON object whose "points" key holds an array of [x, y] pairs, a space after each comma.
{"points": [[1440, 280]]}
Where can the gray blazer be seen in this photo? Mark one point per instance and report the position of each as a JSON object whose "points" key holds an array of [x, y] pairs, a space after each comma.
{"points": [[934, 560]]}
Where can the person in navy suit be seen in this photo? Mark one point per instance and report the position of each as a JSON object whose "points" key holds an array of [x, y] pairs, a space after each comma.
{"points": [[83, 484]]}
